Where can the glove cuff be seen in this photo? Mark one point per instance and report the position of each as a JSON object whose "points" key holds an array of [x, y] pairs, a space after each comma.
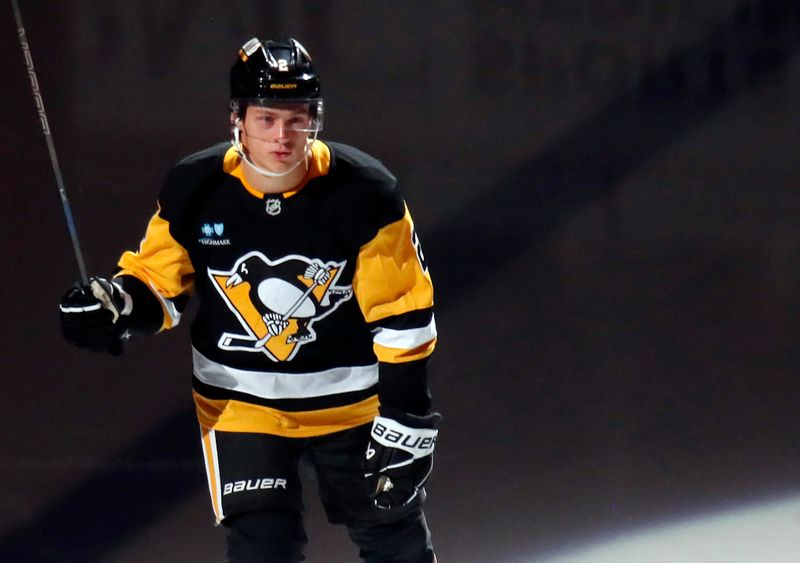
{"points": [[430, 420], [127, 300], [419, 442]]}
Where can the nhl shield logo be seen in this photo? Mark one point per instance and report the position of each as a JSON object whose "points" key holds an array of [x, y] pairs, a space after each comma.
{"points": [[277, 302], [273, 206]]}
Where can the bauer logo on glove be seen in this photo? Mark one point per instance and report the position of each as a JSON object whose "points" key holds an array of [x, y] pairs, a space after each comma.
{"points": [[399, 458]]}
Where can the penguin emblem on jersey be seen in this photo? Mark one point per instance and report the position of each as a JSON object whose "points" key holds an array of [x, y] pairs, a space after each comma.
{"points": [[278, 302]]}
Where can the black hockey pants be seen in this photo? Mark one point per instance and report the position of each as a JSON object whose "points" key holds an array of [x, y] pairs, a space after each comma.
{"points": [[262, 505]]}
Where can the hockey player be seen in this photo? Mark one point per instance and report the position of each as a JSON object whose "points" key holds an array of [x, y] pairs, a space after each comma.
{"points": [[314, 325]]}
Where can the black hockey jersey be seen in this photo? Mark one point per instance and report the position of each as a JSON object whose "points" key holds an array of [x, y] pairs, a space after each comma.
{"points": [[306, 298]]}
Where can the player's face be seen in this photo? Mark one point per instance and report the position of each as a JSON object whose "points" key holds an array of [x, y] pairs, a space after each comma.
{"points": [[275, 137]]}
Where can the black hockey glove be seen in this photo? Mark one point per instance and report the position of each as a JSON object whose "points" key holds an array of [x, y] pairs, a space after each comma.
{"points": [[399, 457], [94, 316]]}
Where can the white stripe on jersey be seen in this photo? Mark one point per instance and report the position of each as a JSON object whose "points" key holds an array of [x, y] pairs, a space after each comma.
{"points": [[407, 339], [168, 306], [277, 385]]}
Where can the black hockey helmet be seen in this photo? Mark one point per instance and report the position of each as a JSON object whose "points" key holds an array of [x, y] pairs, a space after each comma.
{"points": [[274, 71]]}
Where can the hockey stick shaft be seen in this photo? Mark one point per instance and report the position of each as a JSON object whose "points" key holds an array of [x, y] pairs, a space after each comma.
{"points": [[51, 149], [300, 301]]}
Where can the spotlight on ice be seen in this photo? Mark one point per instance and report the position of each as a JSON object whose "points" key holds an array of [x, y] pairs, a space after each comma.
{"points": [[764, 533]]}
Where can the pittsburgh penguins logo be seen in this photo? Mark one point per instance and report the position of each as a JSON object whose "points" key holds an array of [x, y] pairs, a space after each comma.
{"points": [[277, 302]]}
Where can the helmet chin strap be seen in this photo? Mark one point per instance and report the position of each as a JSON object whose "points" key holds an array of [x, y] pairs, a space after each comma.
{"points": [[237, 144]]}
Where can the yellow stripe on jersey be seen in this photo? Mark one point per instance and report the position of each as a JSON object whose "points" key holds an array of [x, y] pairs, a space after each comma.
{"points": [[225, 415], [389, 278], [399, 355], [162, 264], [232, 164], [212, 471]]}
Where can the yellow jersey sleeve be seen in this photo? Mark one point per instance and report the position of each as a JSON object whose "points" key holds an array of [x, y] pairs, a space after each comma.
{"points": [[163, 265], [395, 293]]}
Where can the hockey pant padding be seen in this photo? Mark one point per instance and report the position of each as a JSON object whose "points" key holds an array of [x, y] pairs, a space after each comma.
{"points": [[252, 472]]}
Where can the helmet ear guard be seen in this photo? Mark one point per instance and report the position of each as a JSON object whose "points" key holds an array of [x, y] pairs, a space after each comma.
{"points": [[236, 131]]}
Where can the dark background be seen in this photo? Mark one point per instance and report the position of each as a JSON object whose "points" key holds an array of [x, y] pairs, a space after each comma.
{"points": [[607, 192]]}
